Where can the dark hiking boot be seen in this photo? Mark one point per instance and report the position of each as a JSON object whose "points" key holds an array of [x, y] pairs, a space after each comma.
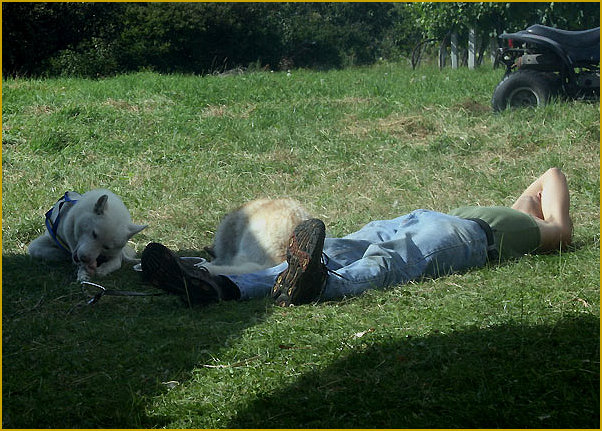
{"points": [[162, 268], [302, 282]]}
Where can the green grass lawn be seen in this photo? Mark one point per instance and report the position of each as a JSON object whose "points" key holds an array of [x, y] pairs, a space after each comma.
{"points": [[510, 346]]}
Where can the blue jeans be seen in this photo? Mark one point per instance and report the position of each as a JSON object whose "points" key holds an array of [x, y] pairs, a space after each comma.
{"points": [[387, 252]]}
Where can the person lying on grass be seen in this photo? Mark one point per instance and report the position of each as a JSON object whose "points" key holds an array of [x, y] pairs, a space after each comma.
{"points": [[383, 253]]}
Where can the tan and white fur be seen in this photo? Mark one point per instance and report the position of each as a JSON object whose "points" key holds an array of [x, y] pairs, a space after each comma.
{"points": [[95, 230], [255, 236]]}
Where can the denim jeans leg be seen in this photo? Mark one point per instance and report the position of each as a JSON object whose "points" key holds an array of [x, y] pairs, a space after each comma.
{"points": [[257, 284], [388, 252], [420, 244]]}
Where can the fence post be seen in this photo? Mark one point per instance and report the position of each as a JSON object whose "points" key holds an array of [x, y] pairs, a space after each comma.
{"points": [[442, 53], [472, 48], [493, 44], [454, 49]]}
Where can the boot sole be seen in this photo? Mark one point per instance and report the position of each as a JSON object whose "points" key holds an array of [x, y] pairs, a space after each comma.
{"points": [[302, 281]]}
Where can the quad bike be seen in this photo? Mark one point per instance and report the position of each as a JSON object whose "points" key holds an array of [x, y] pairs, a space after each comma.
{"points": [[543, 62]]}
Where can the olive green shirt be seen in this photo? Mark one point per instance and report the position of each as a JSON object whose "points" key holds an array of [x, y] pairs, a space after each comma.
{"points": [[515, 233]]}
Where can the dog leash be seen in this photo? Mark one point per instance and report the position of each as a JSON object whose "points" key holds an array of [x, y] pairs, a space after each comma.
{"points": [[102, 291]]}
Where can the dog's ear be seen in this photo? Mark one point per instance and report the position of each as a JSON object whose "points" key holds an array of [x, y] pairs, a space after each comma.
{"points": [[101, 203], [133, 229]]}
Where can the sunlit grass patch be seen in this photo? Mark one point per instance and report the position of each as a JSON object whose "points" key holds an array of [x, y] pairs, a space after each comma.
{"points": [[507, 346]]}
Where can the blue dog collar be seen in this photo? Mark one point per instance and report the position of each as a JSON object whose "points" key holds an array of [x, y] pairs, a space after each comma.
{"points": [[55, 214]]}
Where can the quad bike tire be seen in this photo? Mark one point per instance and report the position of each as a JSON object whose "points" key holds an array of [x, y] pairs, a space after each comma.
{"points": [[524, 88]]}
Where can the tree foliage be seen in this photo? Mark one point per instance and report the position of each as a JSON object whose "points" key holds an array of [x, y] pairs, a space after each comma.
{"points": [[437, 19], [97, 38]]}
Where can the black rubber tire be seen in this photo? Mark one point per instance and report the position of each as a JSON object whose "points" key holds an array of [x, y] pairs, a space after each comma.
{"points": [[524, 88]]}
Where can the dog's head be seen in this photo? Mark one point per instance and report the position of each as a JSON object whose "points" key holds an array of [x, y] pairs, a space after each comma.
{"points": [[101, 231]]}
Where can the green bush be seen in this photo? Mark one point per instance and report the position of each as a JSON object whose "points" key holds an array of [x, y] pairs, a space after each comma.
{"points": [[94, 57]]}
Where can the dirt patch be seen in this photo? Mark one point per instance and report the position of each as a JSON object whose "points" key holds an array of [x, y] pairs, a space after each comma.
{"points": [[41, 109], [416, 127], [223, 111], [473, 107], [122, 105]]}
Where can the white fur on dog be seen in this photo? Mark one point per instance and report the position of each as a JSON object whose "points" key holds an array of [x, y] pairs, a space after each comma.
{"points": [[97, 226]]}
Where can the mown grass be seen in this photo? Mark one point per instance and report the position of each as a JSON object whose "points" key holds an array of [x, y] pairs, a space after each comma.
{"points": [[515, 345]]}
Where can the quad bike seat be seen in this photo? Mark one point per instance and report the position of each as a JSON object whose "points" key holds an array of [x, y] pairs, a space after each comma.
{"points": [[580, 46], [572, 39]]}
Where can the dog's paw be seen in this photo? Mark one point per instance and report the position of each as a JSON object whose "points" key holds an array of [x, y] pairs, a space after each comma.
{"points": [[107, 267], [101, 272]]}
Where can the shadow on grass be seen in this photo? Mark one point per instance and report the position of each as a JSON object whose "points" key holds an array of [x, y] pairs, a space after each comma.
{"points": [[67, 364], [509, 376]]}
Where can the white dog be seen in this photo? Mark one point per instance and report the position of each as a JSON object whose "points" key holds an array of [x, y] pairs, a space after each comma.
{"points": [[90, 229], [255, 236]]}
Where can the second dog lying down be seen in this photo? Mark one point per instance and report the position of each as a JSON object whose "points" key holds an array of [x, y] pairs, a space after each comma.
{"points": [[91, 229], [255, 236]]}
